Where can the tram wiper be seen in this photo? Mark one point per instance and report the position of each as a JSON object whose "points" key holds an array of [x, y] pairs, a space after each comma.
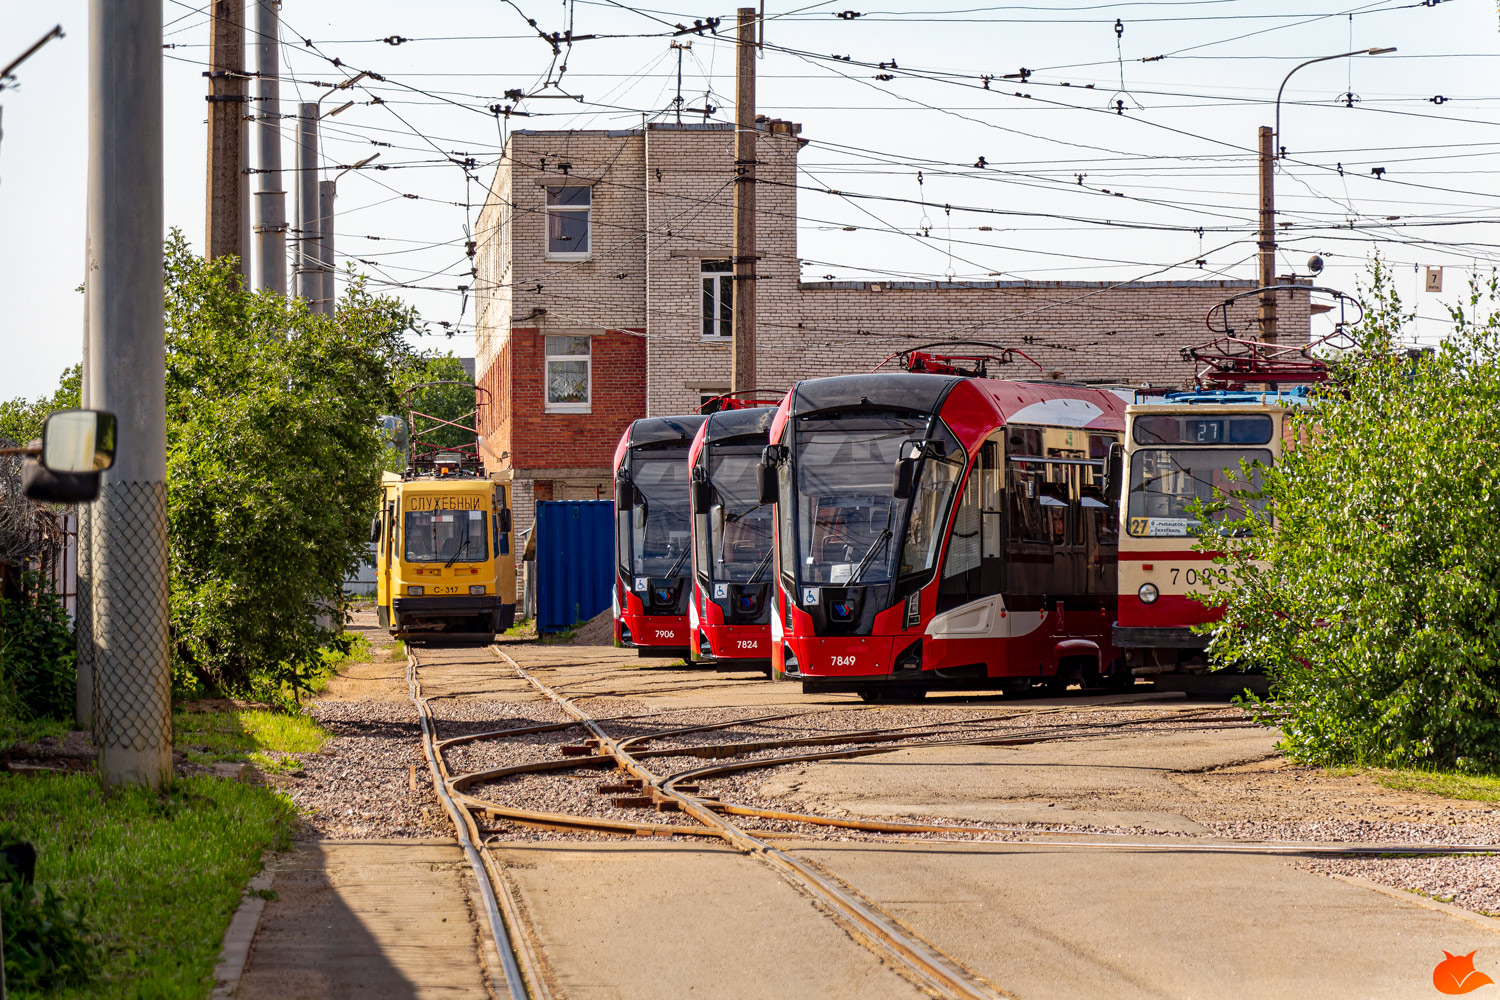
{"points": [[680, 560], [883, 538], [462, 548], [760, 567]]}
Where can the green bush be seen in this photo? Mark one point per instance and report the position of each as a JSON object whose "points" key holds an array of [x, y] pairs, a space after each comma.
{"points": [[273, 470], [1374, 604], [49, 939], [37, 678]]}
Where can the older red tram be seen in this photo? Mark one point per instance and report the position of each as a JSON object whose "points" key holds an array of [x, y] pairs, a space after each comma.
{"points": [[729, 616], [652, 544], [938, 530]]}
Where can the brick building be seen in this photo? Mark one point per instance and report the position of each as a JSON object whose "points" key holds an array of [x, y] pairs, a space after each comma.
{"points": [[603, 295]]}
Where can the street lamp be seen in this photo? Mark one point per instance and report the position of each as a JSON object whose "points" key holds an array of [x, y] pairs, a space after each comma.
{"points": [[1280, 148], [327, 191], [1271, 149]]}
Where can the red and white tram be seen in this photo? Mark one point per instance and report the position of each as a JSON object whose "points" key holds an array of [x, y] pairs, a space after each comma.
{"points": [[939, 530], [1180, 448], [652, 543], [729, 616]]}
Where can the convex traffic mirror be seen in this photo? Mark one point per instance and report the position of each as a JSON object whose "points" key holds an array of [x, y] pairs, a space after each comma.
{"points": [[78, 441]]}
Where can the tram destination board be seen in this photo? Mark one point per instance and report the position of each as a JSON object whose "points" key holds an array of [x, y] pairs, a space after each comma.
{"points": [[1174, 428]]}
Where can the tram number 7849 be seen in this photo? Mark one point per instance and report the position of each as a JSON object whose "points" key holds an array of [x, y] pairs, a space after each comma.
{"points": [[1207, 577]]}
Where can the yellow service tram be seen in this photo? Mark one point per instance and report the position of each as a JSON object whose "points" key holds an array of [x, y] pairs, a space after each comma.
{"points": [[445, 563]]}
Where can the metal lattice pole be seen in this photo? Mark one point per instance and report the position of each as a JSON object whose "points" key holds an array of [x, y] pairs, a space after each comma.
{"points": [[132, 680]]}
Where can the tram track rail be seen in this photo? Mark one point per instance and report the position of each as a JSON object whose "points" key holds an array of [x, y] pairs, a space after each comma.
{"points": [[924, 962], [704, 816]]}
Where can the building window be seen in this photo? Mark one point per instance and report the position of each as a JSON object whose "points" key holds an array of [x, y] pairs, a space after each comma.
{"points": [[718, 299], [568, 375], [711, 400], [568, 221]]}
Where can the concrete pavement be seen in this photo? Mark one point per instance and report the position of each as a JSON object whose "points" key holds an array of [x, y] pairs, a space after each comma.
{"points": [[367, 920]]}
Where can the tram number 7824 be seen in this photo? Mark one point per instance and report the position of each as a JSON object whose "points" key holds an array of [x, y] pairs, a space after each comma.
{"points": [[1207, 577]]}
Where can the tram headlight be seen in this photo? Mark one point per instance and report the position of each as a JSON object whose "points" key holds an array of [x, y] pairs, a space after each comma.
{"points": [[416, 591], [477, 588], [1148, 593]]}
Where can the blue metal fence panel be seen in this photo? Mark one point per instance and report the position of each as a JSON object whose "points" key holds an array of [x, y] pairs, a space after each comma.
{"points": [[574, 561]]}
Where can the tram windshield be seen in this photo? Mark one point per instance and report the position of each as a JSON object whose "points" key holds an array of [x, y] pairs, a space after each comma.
{"points": [[1165, 483], [739, 525], [653, 534], [848, 524], [446, 536]]}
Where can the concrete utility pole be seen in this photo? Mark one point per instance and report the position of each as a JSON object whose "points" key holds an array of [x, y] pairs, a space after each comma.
{"points": [[83, 542], [132, 679], [227, 183], [1267, 242], [306, 255], [329, 294], [270, 196], [742, 371]]}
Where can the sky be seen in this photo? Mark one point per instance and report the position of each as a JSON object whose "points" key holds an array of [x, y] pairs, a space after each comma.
{"points": [[1127, 152]]}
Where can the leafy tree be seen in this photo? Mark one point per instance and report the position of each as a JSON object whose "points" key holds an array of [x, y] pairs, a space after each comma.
{"points": [[273, 466], [1374, 604], [21, 420], [450, 402], [37, 677]]}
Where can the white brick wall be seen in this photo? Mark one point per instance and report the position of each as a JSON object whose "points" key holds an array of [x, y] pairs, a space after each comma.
{"points": [[663, 200]]}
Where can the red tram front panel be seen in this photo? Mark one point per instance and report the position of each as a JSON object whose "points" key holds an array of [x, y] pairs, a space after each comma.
{"points": [[936, 529], [652, 543], [733, 577]]}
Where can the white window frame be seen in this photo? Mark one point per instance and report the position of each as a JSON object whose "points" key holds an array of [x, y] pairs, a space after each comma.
{"points": [[720, 279], [548, 210], [588, 382]]}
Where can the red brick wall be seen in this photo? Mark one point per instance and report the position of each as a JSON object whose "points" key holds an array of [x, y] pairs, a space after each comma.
{"points": [[495, 420], [537, 439]]}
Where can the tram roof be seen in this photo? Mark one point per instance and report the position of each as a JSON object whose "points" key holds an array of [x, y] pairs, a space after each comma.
{"points": [[1294, 396], [725, 424], [1058, 403], [665, 430], [445, 484]]}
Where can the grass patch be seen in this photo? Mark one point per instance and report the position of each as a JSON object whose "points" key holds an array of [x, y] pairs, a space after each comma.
{"points": [[160, 874], [14, 730], [522, 629], [263, 737], [1476, 787], [566, 635], [398, 650], [352, 648]]}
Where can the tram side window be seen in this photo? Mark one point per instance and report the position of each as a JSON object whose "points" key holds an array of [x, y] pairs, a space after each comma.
{"points": [[1027, 521], [502, 536], [700, 541], [622, 542], [974, 566]]}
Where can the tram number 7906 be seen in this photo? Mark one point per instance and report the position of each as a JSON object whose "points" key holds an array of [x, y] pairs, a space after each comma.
{"points": [[1208, 577]]}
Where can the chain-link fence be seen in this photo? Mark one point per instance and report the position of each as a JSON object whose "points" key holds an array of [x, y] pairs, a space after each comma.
{"points": [[128, 583], [83, 617]]}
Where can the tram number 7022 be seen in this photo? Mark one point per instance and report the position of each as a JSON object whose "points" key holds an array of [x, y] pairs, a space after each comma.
{"points": [[1208, 577]]}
